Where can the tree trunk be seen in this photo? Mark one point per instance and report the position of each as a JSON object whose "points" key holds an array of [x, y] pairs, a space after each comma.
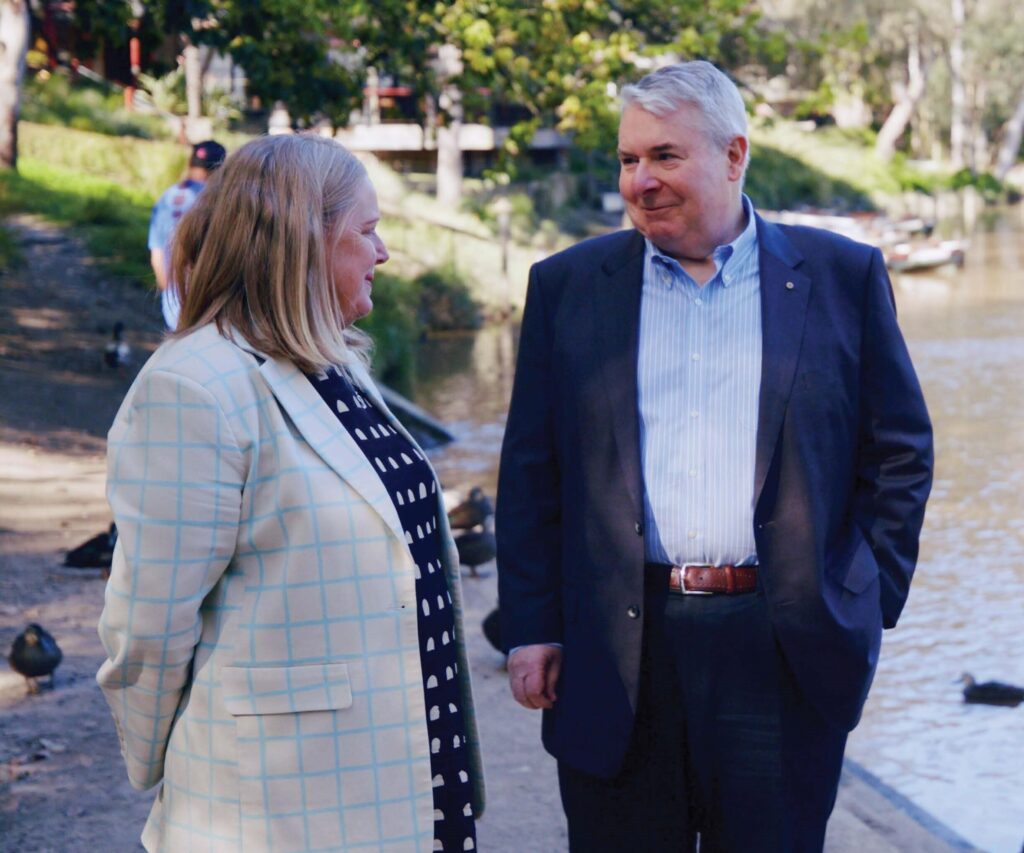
{"points": [[957, 117], [15, 27], [193, 85], [979, 152], [906, 103], [1009, 147], [449, 151]]}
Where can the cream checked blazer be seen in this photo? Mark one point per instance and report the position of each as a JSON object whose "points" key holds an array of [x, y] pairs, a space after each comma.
{"points": [[260, 617]]}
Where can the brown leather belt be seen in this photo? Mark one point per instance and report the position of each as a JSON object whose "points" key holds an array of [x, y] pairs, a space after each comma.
{"points": [[704, 580]]}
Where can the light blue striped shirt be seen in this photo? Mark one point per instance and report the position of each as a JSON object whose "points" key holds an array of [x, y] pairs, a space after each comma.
{"points": [[699, 375]]}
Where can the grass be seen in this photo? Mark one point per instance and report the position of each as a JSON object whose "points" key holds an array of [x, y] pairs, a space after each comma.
{"points": [[11, 255], [113, 220], [53, 98], [809, 164]]}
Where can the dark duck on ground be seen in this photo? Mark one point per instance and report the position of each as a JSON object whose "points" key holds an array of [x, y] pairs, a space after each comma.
{"points": [[991, 692], [95, 553], [34, 654], [475, 515], [117, 353], [472, 512], [492, 629], [477, 547]]}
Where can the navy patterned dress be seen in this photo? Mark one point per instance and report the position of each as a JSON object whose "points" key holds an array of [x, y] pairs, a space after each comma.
{"points": [[410, 481]]}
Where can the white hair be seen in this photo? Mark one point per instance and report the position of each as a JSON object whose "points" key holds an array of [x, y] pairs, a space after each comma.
{"points": [[699, 84]]}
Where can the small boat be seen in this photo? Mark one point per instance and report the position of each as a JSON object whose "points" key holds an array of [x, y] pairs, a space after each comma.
{"points": [[911, 257]]}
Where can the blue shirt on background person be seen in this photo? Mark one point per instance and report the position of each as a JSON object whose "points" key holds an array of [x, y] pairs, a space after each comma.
{"points": [[169, 208]]}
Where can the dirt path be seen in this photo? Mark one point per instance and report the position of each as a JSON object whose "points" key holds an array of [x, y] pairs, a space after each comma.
{"points": [[62, 786]]}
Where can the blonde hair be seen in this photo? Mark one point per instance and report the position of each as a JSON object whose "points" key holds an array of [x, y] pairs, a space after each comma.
{"points": [[252, 253]]}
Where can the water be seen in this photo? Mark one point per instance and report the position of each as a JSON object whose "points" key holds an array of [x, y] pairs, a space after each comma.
{"points": [[962, 763]]}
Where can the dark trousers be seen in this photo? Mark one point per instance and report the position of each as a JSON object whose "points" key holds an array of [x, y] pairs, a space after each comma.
{"points": [[724, 748]]}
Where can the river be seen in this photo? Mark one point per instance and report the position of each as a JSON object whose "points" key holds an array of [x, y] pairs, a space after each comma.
{"points": [[964, 764]]}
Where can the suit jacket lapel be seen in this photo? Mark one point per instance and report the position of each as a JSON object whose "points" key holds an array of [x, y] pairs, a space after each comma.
{"points": [[320, 428], [617, 303], [784, 296]]}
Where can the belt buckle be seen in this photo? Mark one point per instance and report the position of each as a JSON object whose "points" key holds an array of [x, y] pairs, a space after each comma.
{"points": [[682, 579]]}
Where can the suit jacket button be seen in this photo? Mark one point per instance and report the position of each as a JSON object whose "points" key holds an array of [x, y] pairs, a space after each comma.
{"points": [[639, 528], [633, 612]]}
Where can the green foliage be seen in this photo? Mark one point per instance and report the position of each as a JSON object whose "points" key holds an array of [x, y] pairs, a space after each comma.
{"points": [[779, 181], [405, 310], [393, 326], [57, 100], [288, 48], [445, 302], [560, 60], [112, 219], [11, 255], [985, 182], [147, 166], [168, 91]]}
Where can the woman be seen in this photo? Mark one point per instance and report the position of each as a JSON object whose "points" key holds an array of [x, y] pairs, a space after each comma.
{"points": [[282, 616]]}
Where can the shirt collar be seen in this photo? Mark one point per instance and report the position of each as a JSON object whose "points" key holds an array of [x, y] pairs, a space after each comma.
{"points": [[740, 248]]}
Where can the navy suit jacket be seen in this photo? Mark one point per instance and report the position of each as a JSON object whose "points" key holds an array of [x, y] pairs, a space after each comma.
{"points": [[842, 473]]}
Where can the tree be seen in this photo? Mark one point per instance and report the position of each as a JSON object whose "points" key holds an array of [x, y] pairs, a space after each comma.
{"points": [[558, 60], [907, 94], [15, 27]]}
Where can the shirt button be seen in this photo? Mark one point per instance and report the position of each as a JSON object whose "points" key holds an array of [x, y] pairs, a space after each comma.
{"points": [[691, 534], [693, 472], [639, 528], [698, 301], [695, 356], [633, 612], [694, 414]]}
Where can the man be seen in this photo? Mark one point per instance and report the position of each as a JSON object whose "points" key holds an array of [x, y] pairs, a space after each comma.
{"points": [[712, 485], [170, 207]]}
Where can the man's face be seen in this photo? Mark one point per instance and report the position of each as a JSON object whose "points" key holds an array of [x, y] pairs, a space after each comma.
{"points": [[681, 190]]}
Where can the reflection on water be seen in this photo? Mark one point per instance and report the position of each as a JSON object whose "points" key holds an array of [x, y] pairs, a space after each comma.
{"points": [[962, 763]]}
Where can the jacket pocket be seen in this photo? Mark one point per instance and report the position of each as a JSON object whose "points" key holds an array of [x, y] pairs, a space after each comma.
{"points": [[260, 690], [861, 570]]}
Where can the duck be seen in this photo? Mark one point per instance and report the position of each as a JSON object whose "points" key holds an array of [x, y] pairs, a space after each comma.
{"points": [[492, 629], [477, 547], [94, 553], [472, 512], [117, 353], [990, 692], [35, 653]]}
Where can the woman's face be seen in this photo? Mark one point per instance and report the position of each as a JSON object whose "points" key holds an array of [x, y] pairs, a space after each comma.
{"points": [[355, 255]]}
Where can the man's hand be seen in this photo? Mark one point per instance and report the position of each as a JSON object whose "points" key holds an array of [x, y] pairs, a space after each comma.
{"points": [[533, 673]]}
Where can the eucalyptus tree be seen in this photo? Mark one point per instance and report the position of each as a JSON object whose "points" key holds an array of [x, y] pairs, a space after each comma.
{"points": [[14, 38]]}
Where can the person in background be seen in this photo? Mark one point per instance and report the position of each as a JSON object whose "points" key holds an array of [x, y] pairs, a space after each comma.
{"points": [[712, 485], [283, 616], [169, 208]]}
